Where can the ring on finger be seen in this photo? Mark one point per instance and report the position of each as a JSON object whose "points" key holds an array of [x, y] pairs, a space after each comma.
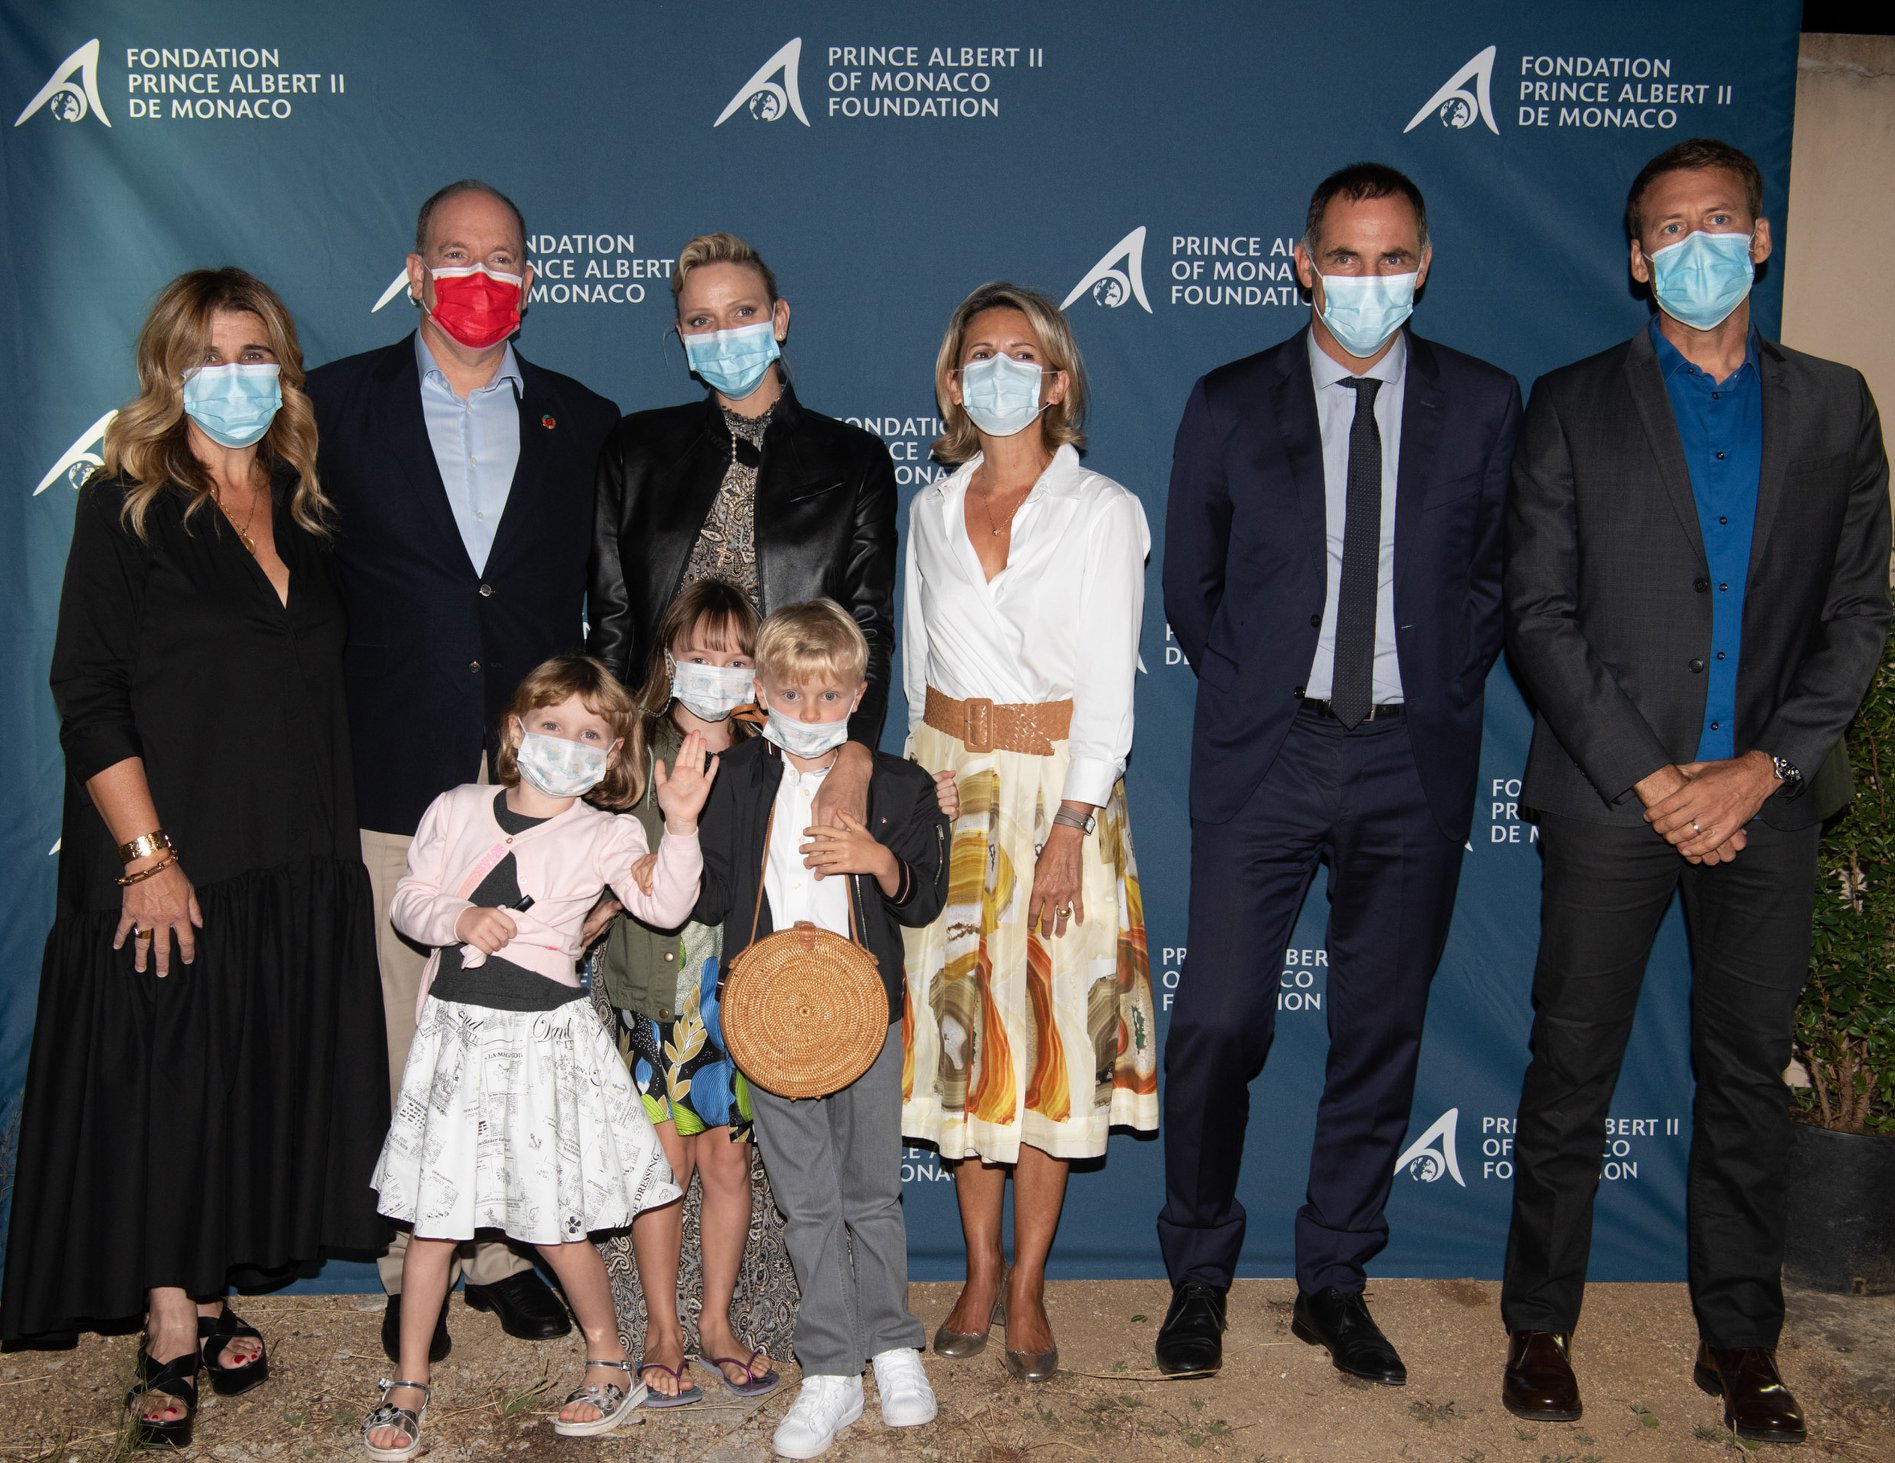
{"points": [[141, 935]]}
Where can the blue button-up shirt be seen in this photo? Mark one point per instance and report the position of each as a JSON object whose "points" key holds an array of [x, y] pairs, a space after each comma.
{"points": [[1720, 424], [476, 444]]}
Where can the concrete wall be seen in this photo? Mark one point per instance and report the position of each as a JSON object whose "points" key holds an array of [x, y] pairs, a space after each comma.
{"points": [[1839, 288]]}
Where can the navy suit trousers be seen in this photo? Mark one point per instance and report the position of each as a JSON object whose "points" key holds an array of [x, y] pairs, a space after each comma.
{"points": [[1351, 799]]}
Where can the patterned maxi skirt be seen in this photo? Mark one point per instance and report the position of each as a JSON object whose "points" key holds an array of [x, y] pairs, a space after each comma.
{"points": [[1008, 1037]]}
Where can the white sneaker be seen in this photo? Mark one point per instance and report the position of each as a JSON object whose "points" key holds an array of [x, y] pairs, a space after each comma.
{"points": [[824, 1407], [907, 1399]]}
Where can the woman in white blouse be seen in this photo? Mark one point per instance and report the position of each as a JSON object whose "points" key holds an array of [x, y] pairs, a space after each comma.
{"points": [[1028, 1027]]}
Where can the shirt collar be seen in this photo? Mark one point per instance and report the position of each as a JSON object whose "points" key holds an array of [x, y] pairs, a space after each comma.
{"points": [[1327, 371], [509, 368], [1061, 473], [1672, 361]]}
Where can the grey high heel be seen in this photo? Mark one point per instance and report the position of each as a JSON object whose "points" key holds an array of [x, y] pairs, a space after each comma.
{"points": [[959, 1345], [1031, 1366]]}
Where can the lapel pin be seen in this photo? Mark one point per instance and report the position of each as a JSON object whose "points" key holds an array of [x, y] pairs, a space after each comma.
{"points": [[548, 423]]}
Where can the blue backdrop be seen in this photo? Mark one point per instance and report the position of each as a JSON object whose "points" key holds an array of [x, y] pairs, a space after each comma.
{"points": [[1148, 165]]}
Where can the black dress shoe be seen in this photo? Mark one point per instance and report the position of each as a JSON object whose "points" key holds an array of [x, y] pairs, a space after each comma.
{"points": [[438, 1347], [1757, 1406], [1340, 1321], [1539, 1384], [1191, 1341], [527, 1308]]}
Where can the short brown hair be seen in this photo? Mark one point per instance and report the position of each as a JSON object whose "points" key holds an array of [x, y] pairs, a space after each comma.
{"points": [[1061, 422], [1359, 182], [819, 637], [552, 682], [1694, 155], [719, 249]]}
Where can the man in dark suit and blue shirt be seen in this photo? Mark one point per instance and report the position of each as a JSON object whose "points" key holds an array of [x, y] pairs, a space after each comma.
{"points": [[1332, 569], [463, 482], [1697, 596]]}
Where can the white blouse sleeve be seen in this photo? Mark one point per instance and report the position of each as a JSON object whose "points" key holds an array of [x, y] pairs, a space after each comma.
{"points": [[914, 625], [1111, 611]]}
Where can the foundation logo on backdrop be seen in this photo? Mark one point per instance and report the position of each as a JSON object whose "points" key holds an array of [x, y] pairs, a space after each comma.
{"points": [[1591, 92], [1433, 1154], [78, 461], [69, 100], [1455, 105], [1118, 277], [773, 92]]}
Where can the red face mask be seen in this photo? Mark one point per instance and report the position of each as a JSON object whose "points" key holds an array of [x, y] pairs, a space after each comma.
{"points": [[478, 307]]}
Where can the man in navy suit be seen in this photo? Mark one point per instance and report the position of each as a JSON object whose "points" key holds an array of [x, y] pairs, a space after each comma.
{"points": [[463, 482], [1332, 570]]}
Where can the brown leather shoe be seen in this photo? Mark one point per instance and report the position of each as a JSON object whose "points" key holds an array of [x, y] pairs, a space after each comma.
{"points": [[1757, 1406], [1539, 1384]]}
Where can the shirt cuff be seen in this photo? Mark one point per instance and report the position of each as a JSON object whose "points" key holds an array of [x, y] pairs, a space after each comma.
{"points": [[1090, 780]]}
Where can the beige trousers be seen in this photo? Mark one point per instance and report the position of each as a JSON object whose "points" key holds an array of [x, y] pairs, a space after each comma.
{"points": [[481, 1262]]}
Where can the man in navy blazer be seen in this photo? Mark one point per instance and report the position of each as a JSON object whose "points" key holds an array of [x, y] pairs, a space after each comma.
{"points": [[1333, 572], [463, 483]]}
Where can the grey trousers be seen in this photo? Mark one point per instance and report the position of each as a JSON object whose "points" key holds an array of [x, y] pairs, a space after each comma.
{"points": [[835, 1165]]}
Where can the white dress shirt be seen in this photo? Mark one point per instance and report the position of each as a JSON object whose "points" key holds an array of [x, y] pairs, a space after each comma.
{"points": [[794, 892], [1060, 620], [1335, 413]]}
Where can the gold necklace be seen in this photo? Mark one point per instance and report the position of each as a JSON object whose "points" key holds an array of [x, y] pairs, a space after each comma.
{"points": [[987, 511], [243, 533]]}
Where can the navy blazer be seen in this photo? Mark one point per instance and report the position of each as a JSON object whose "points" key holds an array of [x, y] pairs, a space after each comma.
{"points": [[1246, 563], [435, 649]]}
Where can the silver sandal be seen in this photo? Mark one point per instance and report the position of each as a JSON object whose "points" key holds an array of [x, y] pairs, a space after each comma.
{"points": [[408, 1419], [613, 1401]]}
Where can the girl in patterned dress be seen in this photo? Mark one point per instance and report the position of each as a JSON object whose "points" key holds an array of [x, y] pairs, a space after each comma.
{"points": [[516, 1112]]}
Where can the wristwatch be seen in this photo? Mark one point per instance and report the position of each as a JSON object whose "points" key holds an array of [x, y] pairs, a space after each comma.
{"points": [[1789, 775], [1068, 818]]}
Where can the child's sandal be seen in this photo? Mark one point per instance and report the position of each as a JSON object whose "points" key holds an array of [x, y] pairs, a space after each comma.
{"points": [[408, 1419], [614, 1403]]}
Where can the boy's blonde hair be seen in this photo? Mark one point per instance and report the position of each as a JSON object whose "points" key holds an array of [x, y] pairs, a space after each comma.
{"points": [[551, 682], [819, 638]]}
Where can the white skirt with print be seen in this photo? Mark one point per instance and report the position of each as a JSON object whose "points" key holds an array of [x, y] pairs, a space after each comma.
{"points": [[521, 1121]]}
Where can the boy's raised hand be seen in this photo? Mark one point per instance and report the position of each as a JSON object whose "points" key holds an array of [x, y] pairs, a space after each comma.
{"points": [[683, 789]]}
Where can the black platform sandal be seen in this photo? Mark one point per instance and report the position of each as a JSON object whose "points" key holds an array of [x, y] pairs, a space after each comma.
{"points": [[214, 1333], [176, 1379]]}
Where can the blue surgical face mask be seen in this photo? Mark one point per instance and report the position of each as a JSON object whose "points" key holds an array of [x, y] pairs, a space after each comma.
{"points": [[1001, 394], [559, 768], [1703, 278], [733, 362], [234, 404], [805, 738], [1363, 311], [712, 692]]}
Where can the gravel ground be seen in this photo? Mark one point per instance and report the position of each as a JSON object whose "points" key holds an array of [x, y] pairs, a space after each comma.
{"points": [[1276, 1399]]}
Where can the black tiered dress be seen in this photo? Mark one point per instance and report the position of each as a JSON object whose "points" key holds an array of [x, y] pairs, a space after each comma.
{"points": [[217, 1126]]}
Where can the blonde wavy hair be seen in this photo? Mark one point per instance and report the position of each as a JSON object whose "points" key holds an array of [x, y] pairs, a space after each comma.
{"points": [[1060, 423], [148, 444], [719, 249], [816, 638]]}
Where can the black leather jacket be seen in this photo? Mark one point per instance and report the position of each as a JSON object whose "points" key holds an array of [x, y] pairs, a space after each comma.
{"points": [[825, 526]]}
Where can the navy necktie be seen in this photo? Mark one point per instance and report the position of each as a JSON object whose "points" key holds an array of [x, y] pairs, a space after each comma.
{"points": [[1352, 689]]}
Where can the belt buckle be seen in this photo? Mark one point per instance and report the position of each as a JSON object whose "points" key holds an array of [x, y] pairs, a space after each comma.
{"points": [[978, 724]]}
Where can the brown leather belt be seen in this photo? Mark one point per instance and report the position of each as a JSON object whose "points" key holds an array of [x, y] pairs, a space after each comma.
{"points": [[985, 726]]}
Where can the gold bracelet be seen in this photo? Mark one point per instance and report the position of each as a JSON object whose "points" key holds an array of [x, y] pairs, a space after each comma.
{"points": [[144, 846], [125, 881]]}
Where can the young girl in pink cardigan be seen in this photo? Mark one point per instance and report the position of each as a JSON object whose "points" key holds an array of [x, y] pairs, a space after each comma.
{"points": [[516, 1112]]}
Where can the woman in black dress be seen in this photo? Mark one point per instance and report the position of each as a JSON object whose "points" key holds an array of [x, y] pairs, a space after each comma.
{"points": [[206, 1093]]}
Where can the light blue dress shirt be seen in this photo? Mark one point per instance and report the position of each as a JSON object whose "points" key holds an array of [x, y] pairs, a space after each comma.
{"points": [[1335, 413], [476, 444]]}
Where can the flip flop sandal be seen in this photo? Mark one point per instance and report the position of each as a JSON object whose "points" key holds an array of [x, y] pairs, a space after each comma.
{"points": [[174, 1379], [408, 1419], [686, 1394], [752, 1385], [214, 1333], [614, 1402]]}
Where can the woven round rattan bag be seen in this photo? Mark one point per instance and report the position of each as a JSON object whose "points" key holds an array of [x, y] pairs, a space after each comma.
{"points": [[804, 1012]]}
